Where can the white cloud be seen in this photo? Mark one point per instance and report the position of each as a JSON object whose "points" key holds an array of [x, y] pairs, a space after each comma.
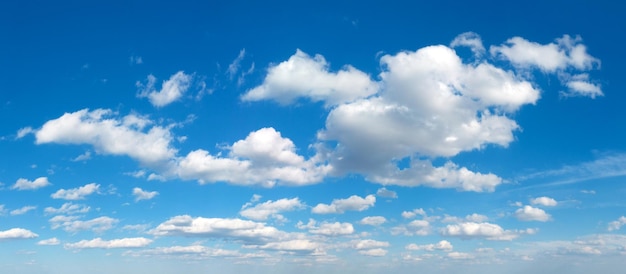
{"points": [[236, 229], [579, 85], [617, 224], [24, 184], [110, 135], [83, 157], [377, 252], [141, 194], [529, 213], [309, 77], [544, 201], [460, 256], [78, 193], [3, 210], [565, 52], [415, 227], [17, 233], [135, 60], [327, 229], [233, 67], [264, 158], [352, 203], [411, 214], [187, 250], [369, 244], [171, 90], [263, 211], [116, 243], [23, 132], [471, 40], [373, 220], [441, 245], [22, 210], [484, 230], [68, 208], [51, 241], [385, 193], [72, 224], [298, 245]]}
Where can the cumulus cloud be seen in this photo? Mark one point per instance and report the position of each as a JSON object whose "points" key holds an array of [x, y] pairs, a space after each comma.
{"points": [[130, 135], [415, 227], [141, 194], [73, 224], [171, 89], [373, 220], [529, 213], [377, 252], [261, 212], [22, 210], [303, 76], [385, 193], [116, 243], [249, 232], [24, 184], [441, 245], [411, 214], [51, 241], [78, 193], [580, 85], [68, 209], [617, 224], [352, 203], [369, 244], [264, 158], [17, 233], [489, 231], [326, 228], [299, 245], [544, 201]]}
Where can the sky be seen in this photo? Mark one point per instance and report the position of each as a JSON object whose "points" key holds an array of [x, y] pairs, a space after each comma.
{"points": [[312, 136]]}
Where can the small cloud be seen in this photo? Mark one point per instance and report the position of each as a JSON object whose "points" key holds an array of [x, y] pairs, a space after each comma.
{"points": [[136, 60], [22, 210], [141, 194], [83, 157], [24, 184], [23, 132], [51, 241], [76, 193], [385, 193]]}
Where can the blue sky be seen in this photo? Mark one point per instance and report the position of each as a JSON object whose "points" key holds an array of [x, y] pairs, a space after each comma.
{"points": [[349, 137]]}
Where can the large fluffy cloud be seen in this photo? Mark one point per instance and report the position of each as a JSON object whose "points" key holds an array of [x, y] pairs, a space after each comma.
{"points": [[263, 158], [130, 135]]}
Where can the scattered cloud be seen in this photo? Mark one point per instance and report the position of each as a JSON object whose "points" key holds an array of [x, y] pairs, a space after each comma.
{"points": [[370, 244], [24, 184], [83, 157], [373, 220], [385, 193], [22, 210], [411, 214], [303, 76], [460, 256], [415, 227], [234, 66], [51, 241], [135, 60], [171, 90], [78, 193], [23, 132], [68, 209], [327, 229], [262, 211], [17, 233], [544, 201], [441, 245], [377, 252], [617, 224], [141, 194], [116, 243], [72, 224], [488, 231], [110, 135], [352, 203], [470, 40]]}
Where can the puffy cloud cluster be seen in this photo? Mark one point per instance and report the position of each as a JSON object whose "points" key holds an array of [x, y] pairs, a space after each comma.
{"points": [[327, 229], [141, 194], [441, 245], [73, 224], [529, 213], [544, 201], [373, 220]]}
